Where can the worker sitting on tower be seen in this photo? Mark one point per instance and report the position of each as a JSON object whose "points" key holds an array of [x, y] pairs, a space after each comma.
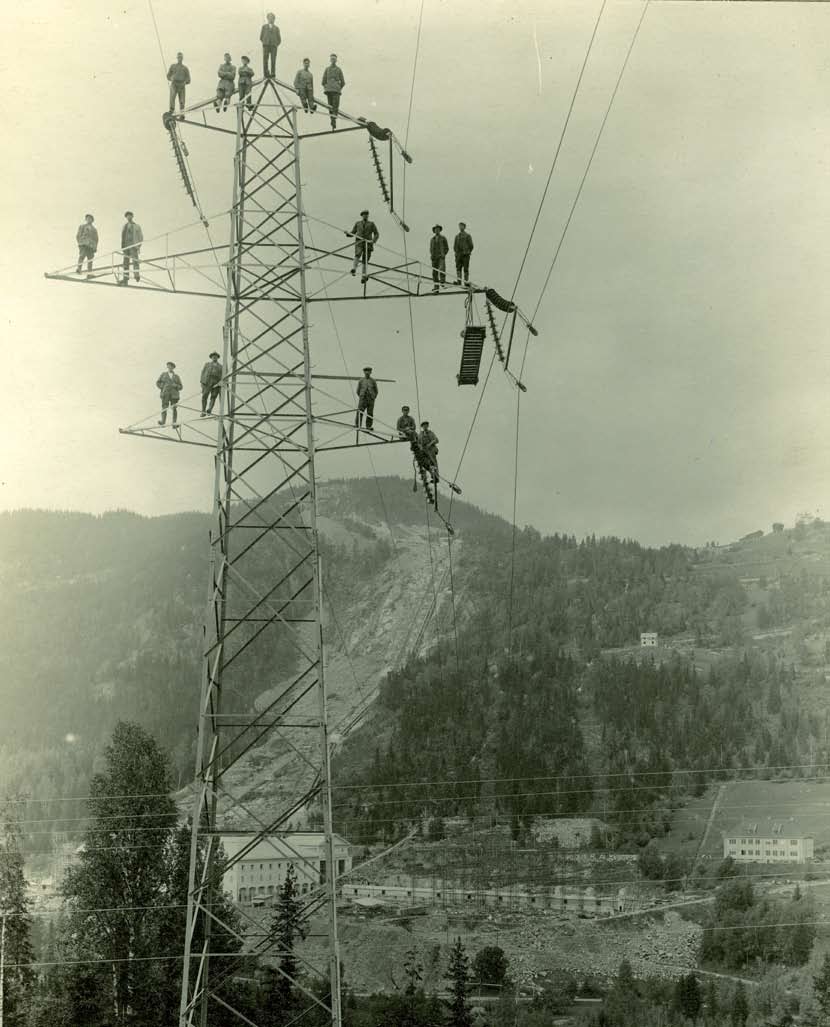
{"points": [[269, 36], [131, 239], [427, 452], [87, 239], [406, 425], [365, 235], [462, 248], [178, 76], [304, 86], [210, 378], [367, 393], [438, 250], [170, 386], [333, 84], [246, 81], [224, 87]]}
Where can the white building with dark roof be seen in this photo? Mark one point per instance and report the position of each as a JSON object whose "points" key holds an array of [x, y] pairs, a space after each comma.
{"points": [[768, 841], [258, 869]]}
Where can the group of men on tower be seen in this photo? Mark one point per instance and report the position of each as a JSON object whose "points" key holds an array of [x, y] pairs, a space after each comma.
{"points": [[131, 239], [424, 444], [333, 80], [170, 387]]}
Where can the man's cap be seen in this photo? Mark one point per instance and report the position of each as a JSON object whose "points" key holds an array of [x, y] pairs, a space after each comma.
{"points": [[128, 214], [306, 60], [90, 216], [332, 55], [364, 212], [213, 354], [170, 363], [367, 369], [180, 54], [244, 57], [405, 408], [439, 227], [462, 224], [425, 424]]}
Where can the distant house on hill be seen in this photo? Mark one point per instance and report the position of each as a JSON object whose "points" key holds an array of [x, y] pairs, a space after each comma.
{"points": [[258, 870], [767, 841], [648, 639]]}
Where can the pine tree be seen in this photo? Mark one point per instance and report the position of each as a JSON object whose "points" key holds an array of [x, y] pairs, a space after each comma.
{"points": [[15, 927], [458, 974], [287, 928]]}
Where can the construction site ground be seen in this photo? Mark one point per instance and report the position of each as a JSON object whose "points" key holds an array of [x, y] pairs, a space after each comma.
{"points": [[537, 944]]}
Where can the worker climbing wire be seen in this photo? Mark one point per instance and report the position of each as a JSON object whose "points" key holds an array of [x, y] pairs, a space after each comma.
{"points": [[269, 36], [178, 76], [438, 250], [131, 239], [209, 379], [333, 84], [246, 81], [427, 453], [87, 239], [224, 87], [406, 425], [304, 86], [170, 386], [462, 248], [365, 234], [367, 393]]}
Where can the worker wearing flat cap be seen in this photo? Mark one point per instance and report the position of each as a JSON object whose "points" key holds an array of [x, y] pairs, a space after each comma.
{"points": [[462, 248], [87, 239], [438, 250], [365, 234], [406, 424], [131, 239], [209, 379], [428, 450], [367, 393], [170, 387]]}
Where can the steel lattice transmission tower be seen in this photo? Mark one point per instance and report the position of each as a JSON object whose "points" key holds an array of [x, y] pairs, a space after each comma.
{"points": [[264, 620]]}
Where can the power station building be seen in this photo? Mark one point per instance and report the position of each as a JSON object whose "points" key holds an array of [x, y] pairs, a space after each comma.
{"points": [[255, 879], [768, 841]]}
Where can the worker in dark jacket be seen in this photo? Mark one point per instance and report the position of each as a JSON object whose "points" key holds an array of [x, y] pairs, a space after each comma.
{"points": [[365, 234], [87, 239], [428, 450], [210, 378], [333, 83], [406, 425], [224, 87], [269, 36], [367, 393], [178, 76], [438, 250], [304, 86], [170, 386], [131, 239], [462, 248], [246, 81]]}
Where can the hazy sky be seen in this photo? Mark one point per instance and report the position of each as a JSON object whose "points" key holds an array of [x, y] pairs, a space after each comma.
{"points": [[678, 386]]}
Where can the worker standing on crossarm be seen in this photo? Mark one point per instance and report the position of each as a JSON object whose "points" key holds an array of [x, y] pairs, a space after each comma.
{"points": [[428, 450], [170, 387], [462, 248], [406, 425], [366, 234], [270, 38], [178, 76], [438, 250], [209, 380], [131, 239], [333, 85], [87, 239], [304, 86], [246, 81], [367, 393], [224, 87]]}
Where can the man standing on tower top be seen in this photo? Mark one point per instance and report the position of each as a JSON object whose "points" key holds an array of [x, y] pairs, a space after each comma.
{"points": [[438, 250], [224, 87], [333, 83], [367, 393], [178, 76], [246, 81], [304, 86], [87, 239], [131, 239], [209, 379], [270, 38], [462, 247]]}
